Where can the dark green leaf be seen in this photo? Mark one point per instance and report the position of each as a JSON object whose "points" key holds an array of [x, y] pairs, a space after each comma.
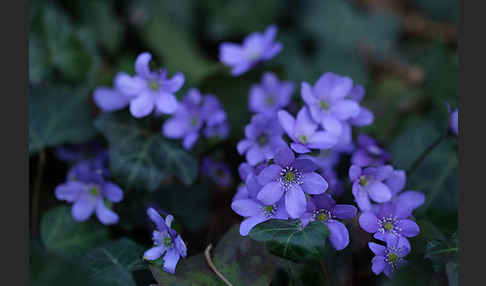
{"points": [[140, 158], [58, 115], [181, 55], [287, 238], [53, 270], [113, 262], [436, 176], [239, 259], [62, 235]]}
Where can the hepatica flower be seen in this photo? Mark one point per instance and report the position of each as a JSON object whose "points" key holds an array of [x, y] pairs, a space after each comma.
{"points": [[290, 178], [304, 132], [271, 95], [111, 99], [90, 193], [327, 101], [149, 90], [215, 118], [218, 171], [263, 137], [368, 184], [324, 209], [257, 47], [390, 258], [167, 242], [368, 153], [187, 120], [391, 219], [256, 212], [364, 117]]}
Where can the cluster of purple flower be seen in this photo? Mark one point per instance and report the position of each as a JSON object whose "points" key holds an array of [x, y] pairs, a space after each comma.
{"points": [[88, 187], [195, 111], [150, 92], [279, 185]]}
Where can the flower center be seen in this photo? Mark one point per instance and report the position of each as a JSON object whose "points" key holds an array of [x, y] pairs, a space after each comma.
{"points": [[269, 100], [269, 210], [154, 85], [94, 191], [389, 225], [392, 257], [322, 215], [290, 176], [323, 104], [193, 121], [167, 241], [262, 139], [303, 139], [363, 181]]}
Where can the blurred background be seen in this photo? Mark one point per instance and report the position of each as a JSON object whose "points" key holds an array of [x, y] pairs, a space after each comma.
{"points": [[403, 52]]}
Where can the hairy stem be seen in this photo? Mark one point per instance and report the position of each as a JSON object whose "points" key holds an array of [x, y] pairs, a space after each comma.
{"points": [[426, 152], [213, 267]]}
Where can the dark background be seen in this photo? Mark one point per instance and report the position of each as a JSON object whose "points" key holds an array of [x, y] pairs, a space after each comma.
{"points": [[403, 52]]}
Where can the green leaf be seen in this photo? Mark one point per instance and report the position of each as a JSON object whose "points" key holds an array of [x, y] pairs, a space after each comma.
{"points": [[239, 259], [99, 17], [62, 235], [113, 263], [58, 115], [436, 176], [49, 269], [140, 158], [181, 55], [287, 238], [71, 50]]}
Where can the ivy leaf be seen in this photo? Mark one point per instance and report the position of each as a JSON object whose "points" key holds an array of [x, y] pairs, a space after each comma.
{"points": [[436, 175], [113, 262], [239, 259], [58, 115], [140, 158], [287, 238], [62, 235]]}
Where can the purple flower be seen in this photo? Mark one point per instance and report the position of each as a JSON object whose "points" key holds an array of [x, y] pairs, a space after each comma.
{"points": [[271, 95], [368, 153], [149, 90], [390, 219], [215, 118], [327, 101], [368, 183], [304, 132], [255, 212], [323, 208], [336, 188], [166, 241], [218, 171], [396, 182], [364, 116], [454, 122], [89, 197], [293, 177], [390, 258], [256, 47], [263, 137], [112, 99], [187, 120]]}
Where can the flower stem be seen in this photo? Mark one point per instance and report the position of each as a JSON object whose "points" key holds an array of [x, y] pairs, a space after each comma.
{"points": [[426, 152], [213, 267], [34, 220], [324, 270]]}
